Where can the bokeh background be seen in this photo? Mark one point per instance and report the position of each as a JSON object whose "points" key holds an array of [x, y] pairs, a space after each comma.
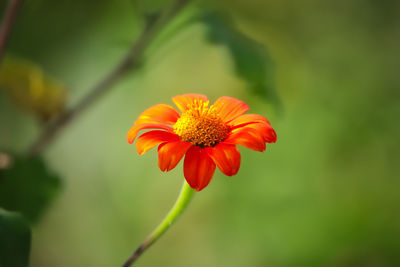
{"points": [[326, 194]]}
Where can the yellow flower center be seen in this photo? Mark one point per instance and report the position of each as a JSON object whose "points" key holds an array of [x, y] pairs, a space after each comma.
{"points": [[201, 125]]}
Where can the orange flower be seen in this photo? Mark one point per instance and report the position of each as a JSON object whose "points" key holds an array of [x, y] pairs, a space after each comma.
{"points": [[207, 135]]}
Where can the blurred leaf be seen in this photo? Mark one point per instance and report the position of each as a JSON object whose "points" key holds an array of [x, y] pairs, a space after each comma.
{"points": [[252, 63], [186, 17], [15, 239], [28, 187], [145, 7], [32, 89]]}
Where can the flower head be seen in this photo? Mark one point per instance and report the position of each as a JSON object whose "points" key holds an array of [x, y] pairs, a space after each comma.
{"points": [[206, 135]]}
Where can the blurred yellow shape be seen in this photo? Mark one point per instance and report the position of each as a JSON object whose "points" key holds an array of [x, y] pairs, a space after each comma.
{"points": [[32, 89]]}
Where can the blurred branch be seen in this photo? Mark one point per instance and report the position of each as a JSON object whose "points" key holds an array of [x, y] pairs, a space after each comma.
{"points": [[8, 22], [130, 61]]}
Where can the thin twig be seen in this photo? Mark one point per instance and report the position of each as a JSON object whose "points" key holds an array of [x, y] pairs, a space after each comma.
{"points": [[8, 22], [130, 61]]}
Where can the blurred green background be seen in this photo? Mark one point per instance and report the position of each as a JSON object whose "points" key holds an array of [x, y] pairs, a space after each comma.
{"points": [[326, 194]]}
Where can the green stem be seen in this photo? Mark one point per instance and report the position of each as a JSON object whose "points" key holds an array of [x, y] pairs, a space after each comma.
{"points": [[181, 203]]}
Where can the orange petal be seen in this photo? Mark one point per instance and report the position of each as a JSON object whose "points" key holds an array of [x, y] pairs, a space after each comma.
{"points": [[198, 168], [226, 156], [160, 113], [182, 101], [247, 119], [136, 128], [169, 154], [230, 108], [247, 137], [150, 139], [265, 130]]}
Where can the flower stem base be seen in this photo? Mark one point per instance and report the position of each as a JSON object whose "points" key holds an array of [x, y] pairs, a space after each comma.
{"points": [[181, 203]]}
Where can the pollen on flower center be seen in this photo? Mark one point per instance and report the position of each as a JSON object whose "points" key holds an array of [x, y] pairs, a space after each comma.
{"points": [[201, 125]]}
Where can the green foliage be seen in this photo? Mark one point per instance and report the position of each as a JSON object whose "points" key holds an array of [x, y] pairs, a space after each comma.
{"points": [[252, 62], [28, 187], [15, 239]]}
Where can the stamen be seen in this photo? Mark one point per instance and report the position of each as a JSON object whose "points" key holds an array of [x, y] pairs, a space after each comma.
{"points": [[201, 125]]}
